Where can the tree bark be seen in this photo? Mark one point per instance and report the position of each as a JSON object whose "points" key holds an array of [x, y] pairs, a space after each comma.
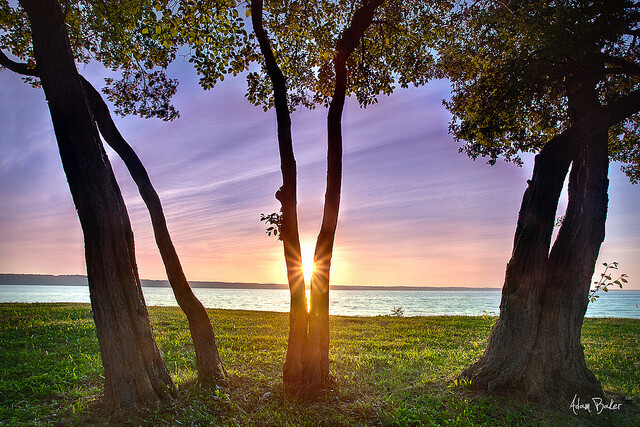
{"points": [[317, 360], [133, 367], [287, 196], [534, 348], [571, 262], [210, 368], [510, 347]]}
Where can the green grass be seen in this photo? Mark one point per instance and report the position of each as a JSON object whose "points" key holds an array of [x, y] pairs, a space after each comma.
{"points": [[387, 370]]}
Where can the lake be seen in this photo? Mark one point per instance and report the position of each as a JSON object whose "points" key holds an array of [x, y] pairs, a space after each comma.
{"points": [[342, 302]]}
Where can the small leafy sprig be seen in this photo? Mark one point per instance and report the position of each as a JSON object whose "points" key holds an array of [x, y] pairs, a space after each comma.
{"points": [[274, 220], [397, 311], [606, 280]]}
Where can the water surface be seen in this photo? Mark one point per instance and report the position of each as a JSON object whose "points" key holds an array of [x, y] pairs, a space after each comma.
{"points": [[341, 302]]}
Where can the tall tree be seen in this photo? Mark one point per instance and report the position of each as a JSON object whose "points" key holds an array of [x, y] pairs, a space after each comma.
{"points": [[560, 78], [142, 91], [372, 46], [210, 368], [308, 350], [134, 370], [310, 53]]}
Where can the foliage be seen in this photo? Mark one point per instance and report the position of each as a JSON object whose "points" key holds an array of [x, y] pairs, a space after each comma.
{"points": [[274, 220], [510, 63], [606, 281], [114, 33], [396, 50], [387, 371], [212, 34]]}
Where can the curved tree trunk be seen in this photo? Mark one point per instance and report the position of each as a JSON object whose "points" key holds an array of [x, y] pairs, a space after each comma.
{"points": [[534, 349], [287, 195], [210, 368], [558, 360], [559, 365], [133, 367]]}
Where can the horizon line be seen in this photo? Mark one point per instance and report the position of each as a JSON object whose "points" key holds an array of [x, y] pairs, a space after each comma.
{"points": [[81, 280]]}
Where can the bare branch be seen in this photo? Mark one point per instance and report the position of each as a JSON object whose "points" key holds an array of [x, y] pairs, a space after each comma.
{"points": [[17, 67]]}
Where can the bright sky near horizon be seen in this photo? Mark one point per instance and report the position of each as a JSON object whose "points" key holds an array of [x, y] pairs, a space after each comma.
{"points": [[414, 211]]}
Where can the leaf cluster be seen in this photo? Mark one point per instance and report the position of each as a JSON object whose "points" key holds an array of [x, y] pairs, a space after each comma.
{"points": [[212, 32], [606, 281], [274, 221], [112, 33], [396, 50], [510, 62]]}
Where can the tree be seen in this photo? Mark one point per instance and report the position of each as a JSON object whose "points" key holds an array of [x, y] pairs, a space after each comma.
{"points": [[559, 78], [366, 58], [210, 368], [142, 92], [310, 53], [134, 369], [308, 352]]}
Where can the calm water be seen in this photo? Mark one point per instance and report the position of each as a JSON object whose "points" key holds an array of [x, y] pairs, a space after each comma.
{"points": [[342, 302]]}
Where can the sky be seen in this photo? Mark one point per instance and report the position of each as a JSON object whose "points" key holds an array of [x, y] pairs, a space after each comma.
{"points": [[414, 211]]}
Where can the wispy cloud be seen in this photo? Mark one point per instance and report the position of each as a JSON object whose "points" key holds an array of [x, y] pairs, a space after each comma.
{"points": [[414, 211]]}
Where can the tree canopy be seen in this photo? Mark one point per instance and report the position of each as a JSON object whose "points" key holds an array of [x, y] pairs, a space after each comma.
{"points": [[114, 33], [397, 49], [509, 63]]}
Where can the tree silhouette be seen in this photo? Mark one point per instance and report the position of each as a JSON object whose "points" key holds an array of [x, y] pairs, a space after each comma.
{"points": [[134, 369], [559, 79], [143, 92]]}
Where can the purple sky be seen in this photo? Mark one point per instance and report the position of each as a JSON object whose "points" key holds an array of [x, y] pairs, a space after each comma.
{"points": [[414, 211]]}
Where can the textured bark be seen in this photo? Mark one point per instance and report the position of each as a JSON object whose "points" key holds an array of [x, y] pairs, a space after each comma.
{"points": [[510, 347], [210, 368], [572, 260], [133, 367], [287, 195], [534, 349]]}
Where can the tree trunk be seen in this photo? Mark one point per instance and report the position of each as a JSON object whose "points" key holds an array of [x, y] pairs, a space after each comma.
{"points": [[133, 367], [317, 360], [510, 347], [210, 368], [287, 195], [572, 260], [307, 363], [558, 362], [534, 348]]}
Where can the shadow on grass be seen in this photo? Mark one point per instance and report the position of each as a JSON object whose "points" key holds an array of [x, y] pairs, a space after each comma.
{"points": [[387, 371]]}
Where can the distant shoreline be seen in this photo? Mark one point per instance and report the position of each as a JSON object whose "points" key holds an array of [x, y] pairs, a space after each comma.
{"points": [[81, 280]]}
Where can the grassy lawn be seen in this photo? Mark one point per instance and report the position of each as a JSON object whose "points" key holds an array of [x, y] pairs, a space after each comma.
{"points": [[387, 370]]}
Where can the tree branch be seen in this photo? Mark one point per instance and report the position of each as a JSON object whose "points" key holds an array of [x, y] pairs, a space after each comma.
{"points": [[17, 67], [622, 65], [596, 121]]}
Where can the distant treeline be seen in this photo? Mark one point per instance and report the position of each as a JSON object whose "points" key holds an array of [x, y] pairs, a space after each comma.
{"points": [[81, 280]]}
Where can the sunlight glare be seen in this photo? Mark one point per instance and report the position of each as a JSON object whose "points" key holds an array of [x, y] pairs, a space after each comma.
{"points": [[307, 261]]}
